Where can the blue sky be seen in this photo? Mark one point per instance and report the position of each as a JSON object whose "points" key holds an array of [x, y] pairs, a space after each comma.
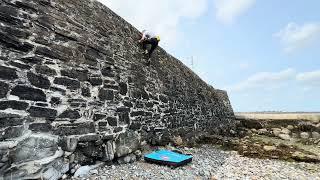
{"points": [[266, 54]]}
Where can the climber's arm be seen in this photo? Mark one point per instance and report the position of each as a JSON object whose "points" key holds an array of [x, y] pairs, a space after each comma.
{"points": [[143, 37]]}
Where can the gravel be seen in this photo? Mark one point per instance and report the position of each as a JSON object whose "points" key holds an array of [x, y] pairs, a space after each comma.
{"points": [[210, 162]]}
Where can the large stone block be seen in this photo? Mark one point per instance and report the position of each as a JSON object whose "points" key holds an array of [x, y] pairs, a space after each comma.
{"points": [[135, 126], [90, 149], [70, 114], [112, 121], [42, 112], [105, 94], [14, 43], [43, 69], [103, 126], [80, 74], [81, 159], [11, 132], [28, 6], [47, 52], [128, 103], [75, 129], [16, 32], [114, 87], [8, 73], [28, 93], [10, 15], [95, 81], [98, 116], [92, 56], [34, 148], [55, 101], [77, 103], [69, 83], [32, 60], [163, 98], [68, 143], [7, 119], [38, 80], [85, 91], [20, 65], [127, 143], [42, 104], [40, 127], [55, 170], [140, 113], [4, 88], [107, 71], [124, 118], [109, 151], [90, 137], [123, 109], [18, 105], [52, 170]]}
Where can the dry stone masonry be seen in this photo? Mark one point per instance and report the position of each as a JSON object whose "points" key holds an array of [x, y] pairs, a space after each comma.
{"points": [[75, 89]]}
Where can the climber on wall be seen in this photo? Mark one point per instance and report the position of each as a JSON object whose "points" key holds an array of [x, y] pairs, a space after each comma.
{"points": [[149, 38]]}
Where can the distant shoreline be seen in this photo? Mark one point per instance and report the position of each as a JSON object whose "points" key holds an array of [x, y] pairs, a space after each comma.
{"points": [[313, 116]]}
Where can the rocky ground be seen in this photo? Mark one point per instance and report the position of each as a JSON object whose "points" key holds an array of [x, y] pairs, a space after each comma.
{"points": [[210, 162]]}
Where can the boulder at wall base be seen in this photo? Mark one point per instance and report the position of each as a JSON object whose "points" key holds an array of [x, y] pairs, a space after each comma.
{"points": [[40, 149], [127, 143], [315, 135], [82, 159], [85, 170], [68, 143], [53, 170], [276, 131], [269, 148], [304, 135], [109, 150], [90, 149], [251, 123], [285, 131], [127, 159], [35, 147], [284, 136]]}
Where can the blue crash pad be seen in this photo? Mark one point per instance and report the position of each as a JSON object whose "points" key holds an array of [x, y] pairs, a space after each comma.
{"points": [[167, 157]]}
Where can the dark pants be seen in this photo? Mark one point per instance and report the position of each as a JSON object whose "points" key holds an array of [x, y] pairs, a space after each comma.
{"points": [[154, 43]]}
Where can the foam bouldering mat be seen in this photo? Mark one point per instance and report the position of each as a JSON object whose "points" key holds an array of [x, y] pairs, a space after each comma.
{"points": [[170, 158]]}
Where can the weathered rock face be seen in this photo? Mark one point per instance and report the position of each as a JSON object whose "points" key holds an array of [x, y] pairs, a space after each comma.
{"points": [[75, 88]]}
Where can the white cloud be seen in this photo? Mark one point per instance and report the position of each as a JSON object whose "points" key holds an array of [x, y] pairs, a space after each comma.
{"points": [[310, 78], [228, 10], [295, 36], [244, 65], [264, 80], [161, 17]]}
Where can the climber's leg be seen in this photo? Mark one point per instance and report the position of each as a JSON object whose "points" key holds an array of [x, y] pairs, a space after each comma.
{"points": [[144, 44], [154, 44]]}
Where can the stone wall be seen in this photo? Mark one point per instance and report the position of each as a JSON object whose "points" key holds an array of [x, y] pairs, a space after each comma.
{"points": [[74, 88]]}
